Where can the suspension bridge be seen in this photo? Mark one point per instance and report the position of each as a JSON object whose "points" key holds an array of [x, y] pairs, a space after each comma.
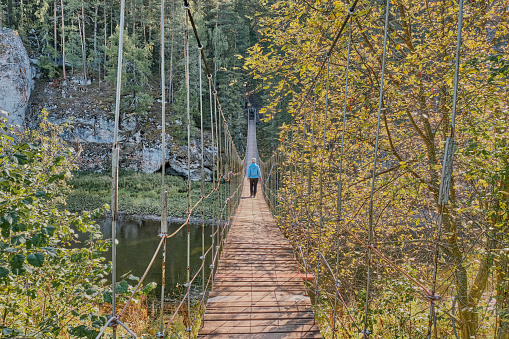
{"points": [[260, 280], [258, 291]]}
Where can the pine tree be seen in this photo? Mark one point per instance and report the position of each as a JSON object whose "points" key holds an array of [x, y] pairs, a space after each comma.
{"points": [[135, 72]]}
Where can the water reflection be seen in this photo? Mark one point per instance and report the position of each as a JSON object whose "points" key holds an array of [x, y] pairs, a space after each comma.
{"points": [[138, 239]]}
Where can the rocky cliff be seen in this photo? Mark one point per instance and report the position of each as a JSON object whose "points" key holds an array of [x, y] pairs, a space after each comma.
{"points": [[91, 111], [16, 77]]}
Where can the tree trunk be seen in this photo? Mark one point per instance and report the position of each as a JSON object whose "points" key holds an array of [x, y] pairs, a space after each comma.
{"points": [[9, 13], [105, 38], [96, 12], [111, 21], [132, 16], [170, 89], [21, 14], [149, 20], [54, 30], [83, 57], [84, 48], [63, 37]]}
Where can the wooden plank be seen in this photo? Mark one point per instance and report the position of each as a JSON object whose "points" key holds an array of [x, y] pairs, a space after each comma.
{"points": [[259, 316], [224, 328], [246, 286], [263, 336], [275, 321], [260, 303], [258, 290]]}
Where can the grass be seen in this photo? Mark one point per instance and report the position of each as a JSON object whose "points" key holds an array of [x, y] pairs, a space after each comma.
{"points": [[139, 193]]}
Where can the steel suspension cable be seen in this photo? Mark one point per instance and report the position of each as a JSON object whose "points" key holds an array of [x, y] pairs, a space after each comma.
{"points": [[164, 193], [114, 169], [115, 319], [213, 174], [219, 167], [187, 7], [202, 174], [340, 185], [302, 200], [311, 148], [320, 185], [188, 115], [310, 170], [445, 180], [373, 179]]}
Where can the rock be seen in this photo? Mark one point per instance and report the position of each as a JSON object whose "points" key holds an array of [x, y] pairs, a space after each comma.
{"points": [[81, 81], [177, 163], [151, 159], [92, 132], [16, 77]]}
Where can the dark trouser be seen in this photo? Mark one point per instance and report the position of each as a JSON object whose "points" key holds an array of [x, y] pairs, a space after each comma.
{"points": [[253, 182]]}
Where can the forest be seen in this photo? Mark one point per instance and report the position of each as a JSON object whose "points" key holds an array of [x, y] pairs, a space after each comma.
{"points": [[83, 36], [54, 283], [415, 247], [383, 144]]}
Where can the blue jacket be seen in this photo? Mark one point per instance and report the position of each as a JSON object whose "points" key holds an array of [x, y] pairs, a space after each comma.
{"points": [[253, 171]]}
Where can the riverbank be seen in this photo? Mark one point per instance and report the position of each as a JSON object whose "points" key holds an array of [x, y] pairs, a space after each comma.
{"points": [[139, 194]]}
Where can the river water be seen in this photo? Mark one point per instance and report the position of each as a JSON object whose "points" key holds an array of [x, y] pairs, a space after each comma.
{"points": [[138, 239]]}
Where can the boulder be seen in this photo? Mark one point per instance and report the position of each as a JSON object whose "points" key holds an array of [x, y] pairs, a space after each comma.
{"points": [[16, 77]]}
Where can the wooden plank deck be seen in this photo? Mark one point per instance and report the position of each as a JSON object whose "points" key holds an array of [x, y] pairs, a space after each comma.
{"points": [[258, 291]]}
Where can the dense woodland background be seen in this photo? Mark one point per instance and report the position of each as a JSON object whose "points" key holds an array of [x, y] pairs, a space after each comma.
{"points": [[269, 54]]}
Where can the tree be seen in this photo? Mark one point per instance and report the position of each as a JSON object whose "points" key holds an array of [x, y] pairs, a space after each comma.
{"points": [[135, 72], [47, 277], [415, 122]]}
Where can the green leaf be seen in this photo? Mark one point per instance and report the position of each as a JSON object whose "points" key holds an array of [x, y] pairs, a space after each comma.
{"points": [[7, 219], [40, 194], [17, 261], [9, 332], [17, 264], [107, 297], [18, 240], [39, 240], [28, 201], [36, 259], [91, 292], [49, 230], [54, 177], [52, 252], [21, 158], [122, 287], [83, 331], [19, 227], [146, 290], [4, 272], [58, 160], [6, 232]]}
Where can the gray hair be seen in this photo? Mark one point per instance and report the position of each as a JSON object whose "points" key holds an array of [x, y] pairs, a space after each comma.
{"points": [[253, 160]]}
